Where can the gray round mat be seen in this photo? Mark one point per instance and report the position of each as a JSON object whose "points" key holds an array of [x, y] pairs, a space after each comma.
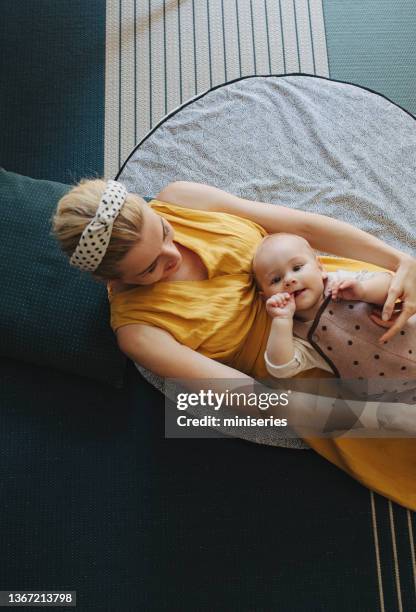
{"points": [[305, 142]]}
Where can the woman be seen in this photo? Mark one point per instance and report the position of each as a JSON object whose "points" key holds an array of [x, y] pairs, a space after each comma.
{"points": [[183, 301]]}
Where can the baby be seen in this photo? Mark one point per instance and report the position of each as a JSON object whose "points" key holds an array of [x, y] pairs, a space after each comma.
{"points": [[321, 319]]}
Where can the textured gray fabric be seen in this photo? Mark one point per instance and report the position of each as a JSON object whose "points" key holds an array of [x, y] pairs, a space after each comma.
{"points": [[304, 142]]}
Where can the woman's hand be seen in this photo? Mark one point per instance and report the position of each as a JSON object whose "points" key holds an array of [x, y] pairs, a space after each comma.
{"points": [[376, 316], [403, 287]]}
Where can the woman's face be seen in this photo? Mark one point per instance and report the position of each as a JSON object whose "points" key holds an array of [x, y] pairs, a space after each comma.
{"points": [[155, 257]]}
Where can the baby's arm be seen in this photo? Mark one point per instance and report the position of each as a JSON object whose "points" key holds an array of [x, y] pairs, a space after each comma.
{"points": [[280, 348], [281, 307], [373, 289], [285, 355], [376, 288]]}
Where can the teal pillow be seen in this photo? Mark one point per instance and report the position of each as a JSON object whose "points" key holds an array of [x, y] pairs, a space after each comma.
{"points": [[50, 313]]}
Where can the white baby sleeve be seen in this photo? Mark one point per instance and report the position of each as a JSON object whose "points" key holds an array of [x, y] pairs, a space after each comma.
{"points": [[305, 357]]}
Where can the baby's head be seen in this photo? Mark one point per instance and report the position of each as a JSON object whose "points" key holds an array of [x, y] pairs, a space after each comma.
{"points": [[285, 262]]}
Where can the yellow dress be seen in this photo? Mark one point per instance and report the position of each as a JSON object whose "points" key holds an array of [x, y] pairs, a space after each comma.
{"points": [[224, 318]]}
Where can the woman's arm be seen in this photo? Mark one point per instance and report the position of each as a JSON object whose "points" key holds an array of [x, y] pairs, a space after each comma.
{"points": [[323, 233], [158, 351]]}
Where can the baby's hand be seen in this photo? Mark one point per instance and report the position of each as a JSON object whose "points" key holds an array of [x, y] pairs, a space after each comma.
{"points": [[347, 289], [281, 306]]}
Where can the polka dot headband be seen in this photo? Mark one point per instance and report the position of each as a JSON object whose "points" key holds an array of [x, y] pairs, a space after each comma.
{"points": [[96, 236]]}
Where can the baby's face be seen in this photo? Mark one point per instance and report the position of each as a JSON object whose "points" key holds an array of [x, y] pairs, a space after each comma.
{"points": [[287, 263]]}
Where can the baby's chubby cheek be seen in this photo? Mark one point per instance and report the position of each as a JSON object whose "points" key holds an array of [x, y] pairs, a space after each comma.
{"points": [[267, 293]]}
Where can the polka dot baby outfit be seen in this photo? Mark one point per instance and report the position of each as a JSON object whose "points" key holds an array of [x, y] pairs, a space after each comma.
{"points": [[345, 336]]}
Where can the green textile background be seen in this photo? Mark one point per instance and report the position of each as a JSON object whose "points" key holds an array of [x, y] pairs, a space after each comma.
{"points": [[373, 43], [94, 498]]}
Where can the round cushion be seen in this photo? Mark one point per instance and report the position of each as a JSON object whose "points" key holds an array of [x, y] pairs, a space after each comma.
{"points": [[305, 142]]}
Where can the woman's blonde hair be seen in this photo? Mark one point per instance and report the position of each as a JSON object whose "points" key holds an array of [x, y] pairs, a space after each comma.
{"points": [[76, 209]]}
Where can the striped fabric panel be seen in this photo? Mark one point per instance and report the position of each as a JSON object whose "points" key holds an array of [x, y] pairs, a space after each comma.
{"points": [[394, 531], [161, 53]]}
